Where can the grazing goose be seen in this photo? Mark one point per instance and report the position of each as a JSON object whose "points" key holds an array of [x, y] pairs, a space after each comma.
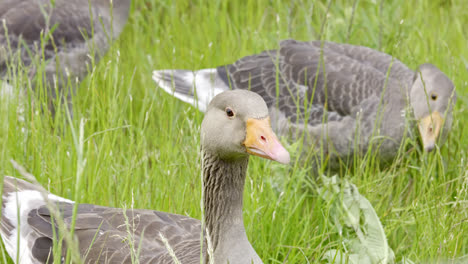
{"points": [[79, 34], [236, 124], [337, 99]]}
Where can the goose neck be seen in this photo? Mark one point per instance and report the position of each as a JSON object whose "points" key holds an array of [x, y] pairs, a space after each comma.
{"points": [[223, 191]]}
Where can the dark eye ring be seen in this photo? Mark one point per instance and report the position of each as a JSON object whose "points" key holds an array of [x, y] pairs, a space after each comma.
{"points": [[434, 96], [229, 112]]}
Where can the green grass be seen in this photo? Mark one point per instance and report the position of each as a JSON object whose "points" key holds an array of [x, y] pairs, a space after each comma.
{"points": [[141, 145]]}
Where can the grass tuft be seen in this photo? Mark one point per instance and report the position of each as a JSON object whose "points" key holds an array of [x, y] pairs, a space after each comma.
{"points": [[139, 138]]}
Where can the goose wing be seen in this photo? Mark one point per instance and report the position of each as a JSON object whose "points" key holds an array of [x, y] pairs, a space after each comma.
{"points": [[105, 235], [316, 81], [26, 22], [77, 29], [115, 235]]}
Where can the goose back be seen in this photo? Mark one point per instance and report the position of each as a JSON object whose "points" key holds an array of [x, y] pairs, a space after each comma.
{"points": [[317, 77], [80, 33], [105, 235]]}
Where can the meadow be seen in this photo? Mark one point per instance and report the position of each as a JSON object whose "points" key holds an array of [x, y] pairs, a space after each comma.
{"points": [[139, 147]]}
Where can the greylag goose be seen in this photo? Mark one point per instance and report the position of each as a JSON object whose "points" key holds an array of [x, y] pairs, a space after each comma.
{"points": [[80, 32], [236, 124], [344, 97]]}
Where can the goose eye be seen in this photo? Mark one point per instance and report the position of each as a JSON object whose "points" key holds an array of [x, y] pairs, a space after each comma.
{"points": [[229, 112], [433, 96]]}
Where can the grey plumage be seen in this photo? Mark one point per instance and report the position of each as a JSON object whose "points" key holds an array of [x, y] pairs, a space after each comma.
{"points": [[343, 97], [80, 32], [105, 234], [102, 232]]}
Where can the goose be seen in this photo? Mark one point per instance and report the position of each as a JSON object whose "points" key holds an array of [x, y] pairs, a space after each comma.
{"points": [[235, 126], [342, 97], [80, 32]]}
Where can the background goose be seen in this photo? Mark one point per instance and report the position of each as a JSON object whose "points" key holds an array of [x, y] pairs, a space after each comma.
{"points": [[236, 124], [335, 93], [79, 34]]}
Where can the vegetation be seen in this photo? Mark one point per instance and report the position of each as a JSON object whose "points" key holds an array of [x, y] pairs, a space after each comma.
{"points": [[140, 146]]}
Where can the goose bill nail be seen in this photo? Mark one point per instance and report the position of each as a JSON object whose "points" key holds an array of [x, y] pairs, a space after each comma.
{"points": [[429, 127], [261, 141]]}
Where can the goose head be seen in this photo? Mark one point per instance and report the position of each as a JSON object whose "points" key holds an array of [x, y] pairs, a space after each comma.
{"points": [[237, 124], [432, 98]]}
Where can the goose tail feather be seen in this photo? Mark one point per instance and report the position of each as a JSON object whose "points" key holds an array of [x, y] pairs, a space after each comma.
{"points": [[19, 198], [194, 87]]}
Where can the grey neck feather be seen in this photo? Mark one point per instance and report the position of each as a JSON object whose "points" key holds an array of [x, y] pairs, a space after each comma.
{"points": [[223, 191]]}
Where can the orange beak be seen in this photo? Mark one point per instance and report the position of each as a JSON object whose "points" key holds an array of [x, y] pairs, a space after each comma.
{"points": [[429, 127], [261, 141]]}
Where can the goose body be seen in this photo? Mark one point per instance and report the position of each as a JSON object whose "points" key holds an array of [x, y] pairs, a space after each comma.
{"points": [[108, 224], [343, 97], [236, 124], [81, 32]]}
